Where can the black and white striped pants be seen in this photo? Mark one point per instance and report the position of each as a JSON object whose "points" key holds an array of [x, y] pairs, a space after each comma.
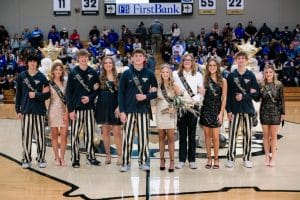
{"points": [[30, 124], [243, 120], [84, 120], [141, 121]]}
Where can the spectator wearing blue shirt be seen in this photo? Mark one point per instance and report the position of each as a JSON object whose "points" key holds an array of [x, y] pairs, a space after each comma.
{"points": [[239, 31], [53, 35], [113, 38], [2, 64], [128, 46], [36, 37]]}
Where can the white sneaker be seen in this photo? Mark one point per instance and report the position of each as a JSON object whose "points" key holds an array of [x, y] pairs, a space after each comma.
{"points": [[144, 167], [125, 168], [25, 165], [248, 164], [229, 164], [193, 165], [179, 165], [42, 164]]}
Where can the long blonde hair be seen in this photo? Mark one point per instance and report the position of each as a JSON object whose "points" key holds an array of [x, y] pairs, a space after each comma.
{"points": [[275, 80], [103, 76], [54, 66], [208, 74], [181, 65], [171, 80]]}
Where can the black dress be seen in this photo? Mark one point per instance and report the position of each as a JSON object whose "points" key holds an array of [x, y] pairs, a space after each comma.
{"points": [[106, 105], [211, 105], [272, 104]]}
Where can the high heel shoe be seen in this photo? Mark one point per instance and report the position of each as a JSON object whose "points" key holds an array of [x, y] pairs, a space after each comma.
{"points": [[57, 162], [108, 160], [216, 166], [63, 162], [162, 166], [171, 169], [267, 161], [209, 163], [272, 163], [119, 161]]}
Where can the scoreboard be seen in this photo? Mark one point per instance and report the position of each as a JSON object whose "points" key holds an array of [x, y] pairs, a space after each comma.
{"points": [[148, 7]]}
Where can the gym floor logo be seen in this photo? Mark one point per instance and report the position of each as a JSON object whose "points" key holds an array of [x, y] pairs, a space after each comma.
{"points": [[257, 144]]}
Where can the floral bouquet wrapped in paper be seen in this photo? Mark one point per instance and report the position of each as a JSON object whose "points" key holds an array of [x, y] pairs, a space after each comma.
{"points": [[182, 105]]}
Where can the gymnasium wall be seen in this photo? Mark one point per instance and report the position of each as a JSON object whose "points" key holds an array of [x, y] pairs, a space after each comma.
{"points": [[17, 14]]}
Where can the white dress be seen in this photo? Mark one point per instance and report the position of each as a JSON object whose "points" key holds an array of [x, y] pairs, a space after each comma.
{"points": [[164, 120]]}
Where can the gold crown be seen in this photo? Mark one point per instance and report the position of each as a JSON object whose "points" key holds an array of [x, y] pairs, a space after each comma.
{"points": [[51, 51], [248, 48]]}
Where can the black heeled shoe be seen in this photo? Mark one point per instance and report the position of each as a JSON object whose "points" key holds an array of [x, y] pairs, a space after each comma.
{"points": [[162, 167], [171, 169], [208, 165], [216, 166]]}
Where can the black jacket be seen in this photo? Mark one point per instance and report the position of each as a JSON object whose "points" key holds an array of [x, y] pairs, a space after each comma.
{"points": [[35, 83], [246, 81], [75, 90]]}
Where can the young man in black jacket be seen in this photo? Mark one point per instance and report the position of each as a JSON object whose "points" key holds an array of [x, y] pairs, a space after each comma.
{"points": [[242, 89], [32, 92], [80, 95], [137, 87]]}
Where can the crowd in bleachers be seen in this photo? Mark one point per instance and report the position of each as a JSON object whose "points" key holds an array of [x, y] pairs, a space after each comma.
{"points": [[279, 46]]}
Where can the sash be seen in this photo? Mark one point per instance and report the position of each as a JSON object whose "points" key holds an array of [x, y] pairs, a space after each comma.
{"points": [[139, 87], [189, 91], [28, 83], [58, 92], [238, 84], [186, 85], [211, 87], [109, 87], [165, 95], [243, 91], [269, 92], [81, 81]]}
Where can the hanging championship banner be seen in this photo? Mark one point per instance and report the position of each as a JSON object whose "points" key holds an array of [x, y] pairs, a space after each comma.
{"points": [[235, 7], [61, 7], [90, 7], [207, 7]]}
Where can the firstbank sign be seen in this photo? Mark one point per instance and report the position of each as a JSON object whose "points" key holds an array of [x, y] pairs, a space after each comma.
{"points": [[155, 7], [149, 9]]}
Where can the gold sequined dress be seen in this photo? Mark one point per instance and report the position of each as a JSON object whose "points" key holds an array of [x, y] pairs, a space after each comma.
{"points": [[57, 109]]}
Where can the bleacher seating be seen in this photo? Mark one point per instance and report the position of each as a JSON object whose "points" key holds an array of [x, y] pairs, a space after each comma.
{"points": [[292, 93]]}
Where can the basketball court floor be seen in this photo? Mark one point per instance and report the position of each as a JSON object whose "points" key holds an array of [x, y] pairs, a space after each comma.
{"points": [[106, 182]]}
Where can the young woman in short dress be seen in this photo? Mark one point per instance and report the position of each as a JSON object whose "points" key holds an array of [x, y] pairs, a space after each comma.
{"points": [[107, 110], [272, 112], [166, 114], [212, 110], [58, 114]]}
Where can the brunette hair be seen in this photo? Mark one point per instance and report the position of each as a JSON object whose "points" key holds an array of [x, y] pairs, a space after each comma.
{"points": [[208, 74], [103, 76], [53, 68]]}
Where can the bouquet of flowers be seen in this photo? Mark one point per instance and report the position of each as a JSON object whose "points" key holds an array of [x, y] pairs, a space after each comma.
{"points": [[181, 105]]}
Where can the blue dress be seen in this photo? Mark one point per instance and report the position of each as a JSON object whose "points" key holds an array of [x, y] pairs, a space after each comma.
{"points": [[106, 105], [211, 105]]}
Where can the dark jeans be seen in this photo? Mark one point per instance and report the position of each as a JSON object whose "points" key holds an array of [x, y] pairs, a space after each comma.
{"points": [[187, 130]]}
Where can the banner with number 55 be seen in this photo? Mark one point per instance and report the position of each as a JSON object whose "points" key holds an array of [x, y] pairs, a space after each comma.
{"points": [[207, 7]]}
